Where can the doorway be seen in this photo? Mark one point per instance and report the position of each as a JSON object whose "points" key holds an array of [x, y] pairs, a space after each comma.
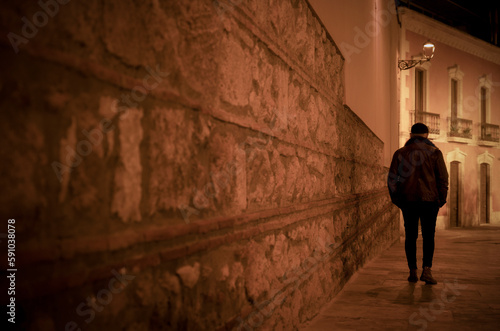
{"points": [[455, 194], [484, 197]]}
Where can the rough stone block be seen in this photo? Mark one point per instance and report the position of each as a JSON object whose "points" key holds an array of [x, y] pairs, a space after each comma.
{"points": [[128, 176]]}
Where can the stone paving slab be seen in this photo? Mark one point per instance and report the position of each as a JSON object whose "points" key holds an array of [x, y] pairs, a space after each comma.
{"points": [[467, 296]]}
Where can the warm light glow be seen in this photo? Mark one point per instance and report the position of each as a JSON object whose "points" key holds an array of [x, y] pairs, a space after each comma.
{"points": [[429, 50], [427, 56]]}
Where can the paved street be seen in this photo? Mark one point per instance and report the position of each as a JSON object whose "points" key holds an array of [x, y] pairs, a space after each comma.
{"points": [[467, 296]]}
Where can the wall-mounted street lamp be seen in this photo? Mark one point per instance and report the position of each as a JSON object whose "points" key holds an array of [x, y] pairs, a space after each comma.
{"points": [[428, 54]]}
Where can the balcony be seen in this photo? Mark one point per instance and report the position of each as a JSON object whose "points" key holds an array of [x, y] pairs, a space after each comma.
{"points": [[459, 128], [429, 119], [490, 132]]}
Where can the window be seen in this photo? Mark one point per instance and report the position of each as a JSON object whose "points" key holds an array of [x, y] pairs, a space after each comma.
{"points": [[484, 99], [459, 128], [484, 96], [485, 162], [421, 112], [419, 90], [484, 196], [454, 99], [489, 132]]}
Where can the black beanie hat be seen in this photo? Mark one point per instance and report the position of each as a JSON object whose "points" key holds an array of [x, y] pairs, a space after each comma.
{"points": [[419, 128]]}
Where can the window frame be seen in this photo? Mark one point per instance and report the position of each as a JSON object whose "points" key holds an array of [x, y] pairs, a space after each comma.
{"points": [[455, 74]]}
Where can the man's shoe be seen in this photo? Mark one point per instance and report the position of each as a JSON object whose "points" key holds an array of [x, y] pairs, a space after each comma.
{"points": [[427, 276], [413, 278]]}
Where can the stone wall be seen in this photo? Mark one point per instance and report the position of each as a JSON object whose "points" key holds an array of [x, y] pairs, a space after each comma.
{"points": [[182, 165]]}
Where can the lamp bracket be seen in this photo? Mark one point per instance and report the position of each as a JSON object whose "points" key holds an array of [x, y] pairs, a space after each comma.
{"points": [[407, 64]]}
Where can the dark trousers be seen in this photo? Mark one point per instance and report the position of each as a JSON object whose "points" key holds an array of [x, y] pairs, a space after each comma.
{"points": [[427, 213]]}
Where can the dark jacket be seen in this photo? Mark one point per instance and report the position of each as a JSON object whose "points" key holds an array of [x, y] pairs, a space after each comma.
{"points": [[418, 173]]}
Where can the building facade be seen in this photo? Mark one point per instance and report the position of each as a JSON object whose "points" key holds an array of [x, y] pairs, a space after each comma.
{"points": [[457, 94]]}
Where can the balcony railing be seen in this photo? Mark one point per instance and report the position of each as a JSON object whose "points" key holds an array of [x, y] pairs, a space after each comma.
{"points": [[490, 132], [429, 119], [459, 127]]}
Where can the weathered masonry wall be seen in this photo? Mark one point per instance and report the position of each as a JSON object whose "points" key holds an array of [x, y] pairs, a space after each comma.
{"points": [[182, 165]]}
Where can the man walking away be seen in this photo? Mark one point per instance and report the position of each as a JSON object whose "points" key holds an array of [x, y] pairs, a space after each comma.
{"points": [[418, 185]]}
